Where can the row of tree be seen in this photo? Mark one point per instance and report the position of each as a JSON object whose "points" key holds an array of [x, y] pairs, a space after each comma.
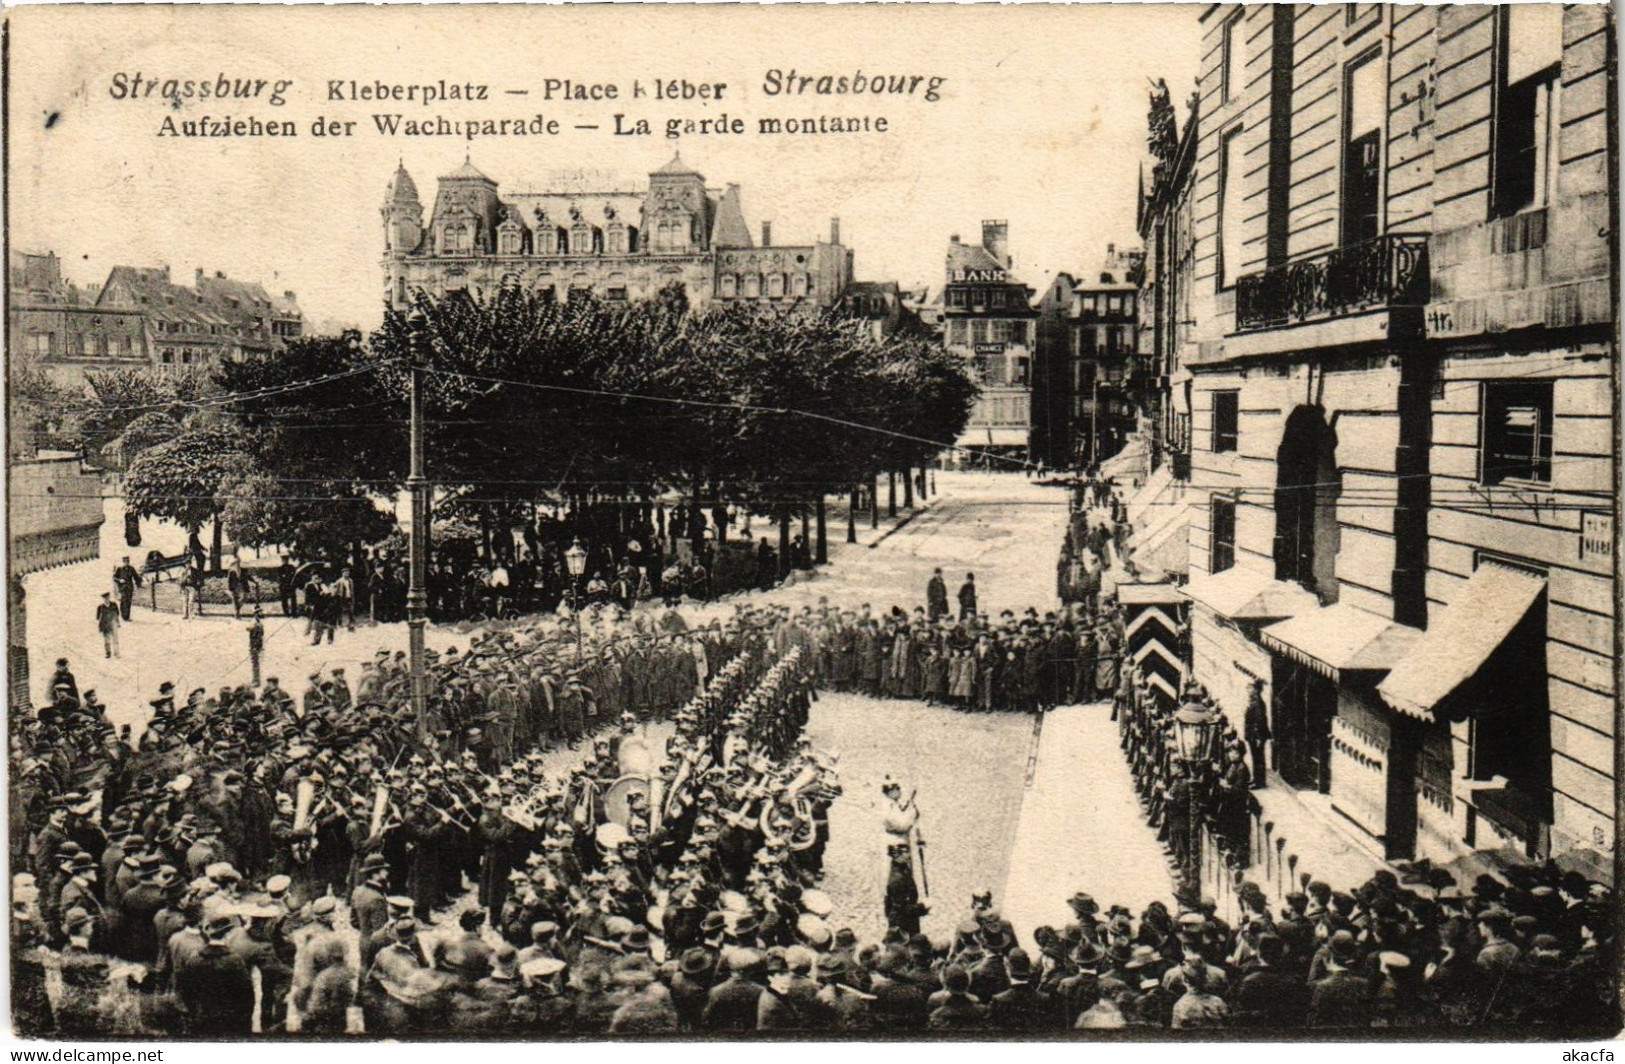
{"points": [[533, 401]]}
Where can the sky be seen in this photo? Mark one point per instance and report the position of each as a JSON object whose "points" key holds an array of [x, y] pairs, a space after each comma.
{"points": [[1040, 121]]}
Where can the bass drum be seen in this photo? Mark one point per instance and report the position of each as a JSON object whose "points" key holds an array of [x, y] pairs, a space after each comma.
{"points": [[618, 798]]}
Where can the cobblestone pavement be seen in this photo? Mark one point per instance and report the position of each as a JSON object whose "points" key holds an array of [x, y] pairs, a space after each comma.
{"points": [[1081, 827], [969, 769]]}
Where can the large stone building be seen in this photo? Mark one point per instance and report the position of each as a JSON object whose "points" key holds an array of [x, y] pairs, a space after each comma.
{"points": [[139, 318], [619, 244], [1090, 384], [989, 320], [1403, 290], [58, 328]]}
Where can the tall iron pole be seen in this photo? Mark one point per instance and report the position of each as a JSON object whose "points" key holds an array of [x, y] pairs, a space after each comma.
{"points": [[417, 595]]}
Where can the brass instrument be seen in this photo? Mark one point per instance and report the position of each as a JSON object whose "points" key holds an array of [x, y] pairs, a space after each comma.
{"points": [[304, 798], [380, 809]]}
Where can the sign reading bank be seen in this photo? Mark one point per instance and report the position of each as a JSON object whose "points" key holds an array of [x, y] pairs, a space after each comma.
{"points": [[966, 275]]}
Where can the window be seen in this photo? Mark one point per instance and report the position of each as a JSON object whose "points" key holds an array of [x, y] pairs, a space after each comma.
{"points": [[753, 285], [1021, 369], [1517, 431], [957, 331], [775, 285], [510, 241], [1526, 109], [1226, 421], [1229, 208], [730, 286], [798, 285], [1235, 59], [39, 345], [978, 331], [956, 297], [1221, 534], [1365, 94], [616, 295]]}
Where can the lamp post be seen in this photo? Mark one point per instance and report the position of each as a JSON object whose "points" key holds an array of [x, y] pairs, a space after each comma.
{"points": [[417, 595], [575, 561], [1196, 731]]}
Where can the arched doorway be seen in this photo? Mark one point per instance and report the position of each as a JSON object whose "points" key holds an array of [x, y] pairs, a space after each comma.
{"points": [[1307, 487]]}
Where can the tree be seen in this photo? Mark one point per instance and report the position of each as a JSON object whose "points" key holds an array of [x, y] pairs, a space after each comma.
{"points": [[321, 519], [185, 481], [148, 430]]}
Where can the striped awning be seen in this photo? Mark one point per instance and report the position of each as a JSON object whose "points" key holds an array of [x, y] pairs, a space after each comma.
{"points": [[1341, 638], [1452, 650]]}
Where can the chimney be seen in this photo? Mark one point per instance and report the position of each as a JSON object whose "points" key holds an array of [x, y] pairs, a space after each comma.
{"points": [[834, 230], [996, 240], [288, 295], [200, 275], [220, 275], [954, 239], [767, 234]]}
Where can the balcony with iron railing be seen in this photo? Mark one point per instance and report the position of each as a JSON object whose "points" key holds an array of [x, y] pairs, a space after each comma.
{"points": [[1385, 273]]}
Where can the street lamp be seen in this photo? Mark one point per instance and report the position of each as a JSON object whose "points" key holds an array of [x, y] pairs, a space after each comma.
{"points": [[1196, 730], [417, 595], [575, 562], [1196, 735]]}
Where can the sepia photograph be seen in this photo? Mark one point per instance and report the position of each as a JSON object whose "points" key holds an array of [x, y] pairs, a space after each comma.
{"points": [[1082, 523]]}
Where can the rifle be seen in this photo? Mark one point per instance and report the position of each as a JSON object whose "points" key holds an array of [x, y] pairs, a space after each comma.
{"points": [[919, 852]]}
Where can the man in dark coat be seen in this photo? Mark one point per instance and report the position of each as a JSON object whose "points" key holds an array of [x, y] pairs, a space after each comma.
{"points": [[967, 597], [936, 596], [1256, 731], [1022, 1007], [214, 986], [126, 579], [903, 905], [732, 1004]]}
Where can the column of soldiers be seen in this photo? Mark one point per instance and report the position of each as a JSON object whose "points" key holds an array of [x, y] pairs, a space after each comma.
{"points": [[1185, 800]]}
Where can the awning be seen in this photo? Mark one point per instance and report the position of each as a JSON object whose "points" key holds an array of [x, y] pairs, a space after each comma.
{"points": [[1450, 652], [1130, 461], [1341, 638], [1248, 595], [1149, 595], [988, 437]]}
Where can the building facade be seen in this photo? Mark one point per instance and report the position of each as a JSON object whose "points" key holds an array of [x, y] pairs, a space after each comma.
{"points": [[1109, 378], [138, 318], [988, 320], [216, 319], [58, 329], [1166, 335], [618, 244], [1402, 416]]}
